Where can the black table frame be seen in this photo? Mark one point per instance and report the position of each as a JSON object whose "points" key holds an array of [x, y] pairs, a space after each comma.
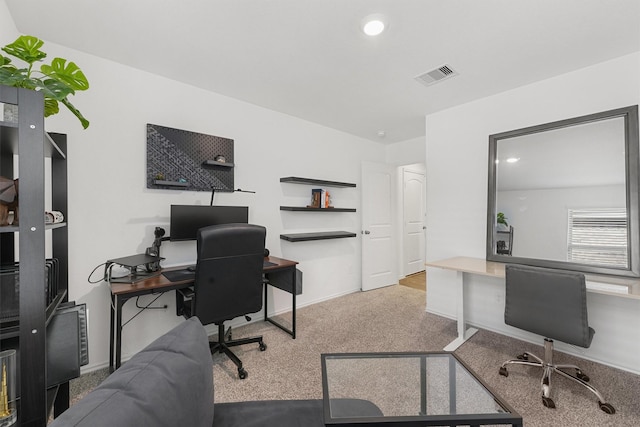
{"points": [[473, 420]]}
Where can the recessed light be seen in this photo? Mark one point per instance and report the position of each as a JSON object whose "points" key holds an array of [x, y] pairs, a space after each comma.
{"points": [[373, 25], [513, 159], [381, 134]]}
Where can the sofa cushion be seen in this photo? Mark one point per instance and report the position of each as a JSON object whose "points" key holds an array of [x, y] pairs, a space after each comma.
{"points": [[168, 383]]}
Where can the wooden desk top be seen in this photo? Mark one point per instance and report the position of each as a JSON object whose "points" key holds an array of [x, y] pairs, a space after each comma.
{"points": [[160, 283], [623, 287]]}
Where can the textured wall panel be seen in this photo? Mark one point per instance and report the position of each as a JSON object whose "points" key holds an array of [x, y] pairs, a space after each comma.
{"points": [[175, 160]]}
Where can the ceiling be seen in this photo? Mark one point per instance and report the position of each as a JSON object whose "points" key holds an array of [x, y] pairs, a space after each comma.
{"points": [[309, 59]]}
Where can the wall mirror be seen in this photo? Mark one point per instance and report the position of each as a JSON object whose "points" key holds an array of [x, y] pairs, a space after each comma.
{"points": [[565, 194]]}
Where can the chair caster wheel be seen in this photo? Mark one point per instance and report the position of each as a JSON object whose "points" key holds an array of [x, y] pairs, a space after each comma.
{"points": [[503, 371], [263, 346], [548, 402], [523, 356], [607, 408], [584, 377], [242, 374]]}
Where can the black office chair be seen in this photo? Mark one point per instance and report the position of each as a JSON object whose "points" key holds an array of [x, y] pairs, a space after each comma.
{"points": [[551, 303], [228, 282]]}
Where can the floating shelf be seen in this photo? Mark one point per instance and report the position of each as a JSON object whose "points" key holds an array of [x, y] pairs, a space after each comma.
{"points": [[305, 209], [302, 237], [170, 183], [307, 181], [217, 163]]}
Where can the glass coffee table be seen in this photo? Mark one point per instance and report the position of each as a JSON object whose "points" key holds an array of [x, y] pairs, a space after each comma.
{"points": [[408, 389]]}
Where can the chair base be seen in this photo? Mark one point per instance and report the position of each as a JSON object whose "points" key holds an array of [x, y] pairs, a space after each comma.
{"points": [[548, 368], [225, 341]]}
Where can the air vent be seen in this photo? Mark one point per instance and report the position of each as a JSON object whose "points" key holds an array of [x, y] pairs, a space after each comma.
{"points": [[437, 75]]}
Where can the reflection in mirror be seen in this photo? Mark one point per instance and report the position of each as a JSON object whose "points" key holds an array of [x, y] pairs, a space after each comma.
{"points": [[564, 194]]}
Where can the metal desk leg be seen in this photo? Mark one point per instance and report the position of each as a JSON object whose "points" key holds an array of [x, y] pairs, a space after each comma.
{"points": [[293, 299], [118, 304], [463, 333], [292, 331], [266, 305], [111, 334]]}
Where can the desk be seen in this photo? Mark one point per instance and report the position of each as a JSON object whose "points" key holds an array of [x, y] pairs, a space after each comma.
{"points": [[621, 287], [123, 292]]}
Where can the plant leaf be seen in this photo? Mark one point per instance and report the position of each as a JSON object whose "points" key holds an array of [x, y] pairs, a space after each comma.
{"points": [[55, 89], [51, 107], [67, 72], [76, 112], [26, 48], [4, 60]]}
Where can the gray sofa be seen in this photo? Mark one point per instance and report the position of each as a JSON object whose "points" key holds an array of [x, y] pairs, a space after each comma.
{"points": [[170, 383]]}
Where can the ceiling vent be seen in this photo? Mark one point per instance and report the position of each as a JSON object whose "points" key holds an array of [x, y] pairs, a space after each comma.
{"points": [[437, 75]]}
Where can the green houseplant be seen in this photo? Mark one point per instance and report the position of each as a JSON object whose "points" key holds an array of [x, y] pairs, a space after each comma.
{"points": [[501, 219], [57, 80]]}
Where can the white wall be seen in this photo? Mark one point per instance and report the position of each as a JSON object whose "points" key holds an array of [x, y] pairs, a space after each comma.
{"points": [[540, 216], [112, 213], [406, 152], [457, 150]]}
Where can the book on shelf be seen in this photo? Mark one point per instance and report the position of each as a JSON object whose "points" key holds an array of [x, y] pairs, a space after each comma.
{"points": [[320, 198]]}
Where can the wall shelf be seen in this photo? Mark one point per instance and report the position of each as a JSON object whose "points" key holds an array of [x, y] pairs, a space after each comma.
{"points": [[217, 163], [323, 235], [303, 237], [305, 209], [311, 181], [170, 183]]}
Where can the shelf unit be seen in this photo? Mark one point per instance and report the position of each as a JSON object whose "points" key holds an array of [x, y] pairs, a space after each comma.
{"points": [[29, 141], [323, 235], [508, 244]]}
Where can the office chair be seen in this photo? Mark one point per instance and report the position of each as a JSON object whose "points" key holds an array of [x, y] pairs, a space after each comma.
{"points": [[551, 303], [228, 282]]}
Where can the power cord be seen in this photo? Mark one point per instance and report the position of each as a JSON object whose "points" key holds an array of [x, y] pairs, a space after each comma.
{"points": [[143, 308]]}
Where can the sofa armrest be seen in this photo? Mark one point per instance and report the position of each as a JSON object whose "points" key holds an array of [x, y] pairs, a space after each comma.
{"points": [[168, 383]]}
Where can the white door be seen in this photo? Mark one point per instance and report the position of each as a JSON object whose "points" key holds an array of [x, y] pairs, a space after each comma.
{"points": [[378, 255], [414, 193]]}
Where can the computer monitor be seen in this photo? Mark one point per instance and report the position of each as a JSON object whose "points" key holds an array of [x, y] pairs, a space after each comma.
{"points": [[187, 219]]}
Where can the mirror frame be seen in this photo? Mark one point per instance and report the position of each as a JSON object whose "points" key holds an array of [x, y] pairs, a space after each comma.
{"points": [[632, 174]]}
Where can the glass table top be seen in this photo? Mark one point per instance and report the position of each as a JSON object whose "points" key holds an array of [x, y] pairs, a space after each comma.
{"points": [[408, 388]]}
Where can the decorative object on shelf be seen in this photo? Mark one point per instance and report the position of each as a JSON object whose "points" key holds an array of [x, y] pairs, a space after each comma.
{"points": [[10, 113], [316, 195], [220, 158], [177, 153], [8, 409], [56, 81], [53, 217], [320, 199], [8, 200]]}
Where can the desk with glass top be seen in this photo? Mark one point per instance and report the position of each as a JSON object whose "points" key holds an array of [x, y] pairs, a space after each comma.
{"points": [[410, 389]]}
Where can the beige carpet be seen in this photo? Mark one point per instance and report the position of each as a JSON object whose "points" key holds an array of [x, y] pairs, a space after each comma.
{"points": [[394, 319]]}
